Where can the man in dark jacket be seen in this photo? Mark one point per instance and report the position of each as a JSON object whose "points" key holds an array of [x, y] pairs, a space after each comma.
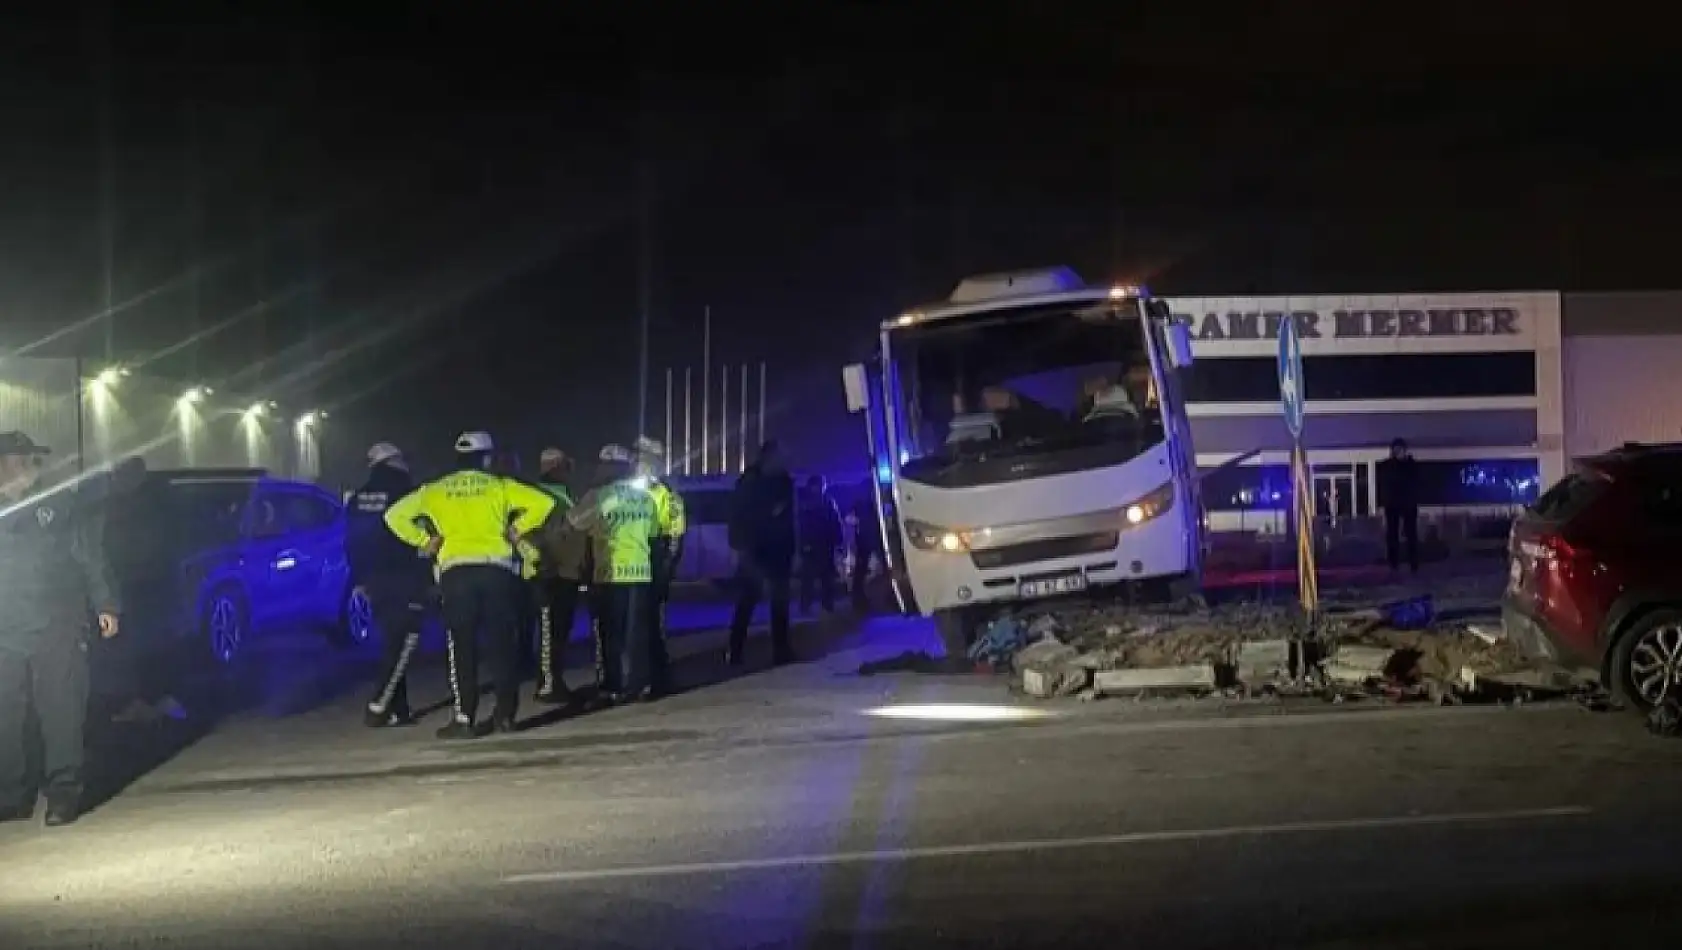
{"points": [[51, 572], [820, 536], [141, 664], [1398, 492], [393, 578], [762, 534], [867, 542], [561, 557]]}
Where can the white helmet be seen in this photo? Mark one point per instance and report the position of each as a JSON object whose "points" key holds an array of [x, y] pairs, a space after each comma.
{"points": [[614, 452], [475, 442], [648, 446], [385, 453]]}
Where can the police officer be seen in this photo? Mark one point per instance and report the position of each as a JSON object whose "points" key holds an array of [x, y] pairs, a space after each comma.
{"points": [[670, 524], [51, 571], [392, 576], [476, 517], [560, 564], [618, 515]]}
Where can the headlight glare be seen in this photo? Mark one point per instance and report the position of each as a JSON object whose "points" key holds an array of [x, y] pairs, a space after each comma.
{"points": [[930, 537], [1153, 505]]}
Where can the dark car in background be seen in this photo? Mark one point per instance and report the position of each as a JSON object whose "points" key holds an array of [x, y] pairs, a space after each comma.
{"points": [[217, 556], [1594, 576], [706, 545]]}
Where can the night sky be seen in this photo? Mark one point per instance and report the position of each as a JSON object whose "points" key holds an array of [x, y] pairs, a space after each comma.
{"points": [[437, 216]]}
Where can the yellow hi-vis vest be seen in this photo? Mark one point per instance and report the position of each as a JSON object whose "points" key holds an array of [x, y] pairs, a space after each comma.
{"points": [[620, 519], [474, 513]]}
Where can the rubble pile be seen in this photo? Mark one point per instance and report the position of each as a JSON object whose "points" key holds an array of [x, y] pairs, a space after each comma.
{"points": [[1406, 649], [1114, 649]]}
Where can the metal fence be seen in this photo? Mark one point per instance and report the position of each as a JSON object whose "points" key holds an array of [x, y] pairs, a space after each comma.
{"points": [[90, 425]]}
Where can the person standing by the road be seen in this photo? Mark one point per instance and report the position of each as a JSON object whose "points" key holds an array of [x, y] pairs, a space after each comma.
{"points": [[477, 516], [528, 555], [51, 571], [671, 523], [618, 515], [391, 575], [139, 667], [762, 534], [1398, 493], [820, 537], [867, 543], [560, 564]]}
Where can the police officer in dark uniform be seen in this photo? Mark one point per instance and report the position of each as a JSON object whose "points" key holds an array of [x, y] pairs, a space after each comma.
{"points": [[393, 577], [51, 572]]}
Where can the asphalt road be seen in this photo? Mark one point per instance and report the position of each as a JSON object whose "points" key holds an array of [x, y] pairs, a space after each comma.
{"points": [[1462, 828]]}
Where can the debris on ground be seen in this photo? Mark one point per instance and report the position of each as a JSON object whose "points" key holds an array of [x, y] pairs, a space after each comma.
{"points": [[1048, 668], [1665, 719], [1488, 634], [999, 641], [1407, 648]]}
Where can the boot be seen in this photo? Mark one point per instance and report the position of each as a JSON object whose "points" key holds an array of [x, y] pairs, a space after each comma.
{"points": [[458, 729], [558, 695], [63, 808], [393, 716]]}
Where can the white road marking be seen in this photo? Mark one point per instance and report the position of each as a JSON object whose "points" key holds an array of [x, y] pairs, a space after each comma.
{"points": [[1044, 844]]}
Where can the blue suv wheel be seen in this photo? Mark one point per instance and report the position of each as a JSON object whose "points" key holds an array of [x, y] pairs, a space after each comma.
{"points": [[356, 621], [226, 621]]}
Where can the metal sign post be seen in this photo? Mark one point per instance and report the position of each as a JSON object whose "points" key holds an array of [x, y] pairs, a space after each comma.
{"points": [[1291, 399]]}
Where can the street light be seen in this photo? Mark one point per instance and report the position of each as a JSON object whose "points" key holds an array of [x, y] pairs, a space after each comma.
{"points": [[195, 395], [256, 410], [110, 376]]}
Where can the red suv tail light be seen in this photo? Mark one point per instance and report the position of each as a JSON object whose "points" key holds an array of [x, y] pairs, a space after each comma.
{"points": [[1551, 547]]}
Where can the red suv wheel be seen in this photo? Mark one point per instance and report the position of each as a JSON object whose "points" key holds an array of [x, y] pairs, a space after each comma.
{"points": [[1645, 667]]}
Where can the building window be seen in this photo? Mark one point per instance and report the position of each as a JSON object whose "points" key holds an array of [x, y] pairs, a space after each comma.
{"points": [[1368, 376], [1247, 488], [1478, 482]]}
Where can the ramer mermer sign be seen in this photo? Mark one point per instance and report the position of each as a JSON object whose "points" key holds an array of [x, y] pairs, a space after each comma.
{"points": [[1356, 324]]}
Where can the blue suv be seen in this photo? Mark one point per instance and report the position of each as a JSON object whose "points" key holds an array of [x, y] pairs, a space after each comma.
{"points": [[218, 555]]}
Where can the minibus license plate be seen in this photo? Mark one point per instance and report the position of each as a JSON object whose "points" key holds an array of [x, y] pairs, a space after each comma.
{"points": [[1053, 585]]}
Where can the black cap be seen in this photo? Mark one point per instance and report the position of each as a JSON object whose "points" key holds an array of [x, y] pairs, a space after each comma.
{"points": [[18, 443]]}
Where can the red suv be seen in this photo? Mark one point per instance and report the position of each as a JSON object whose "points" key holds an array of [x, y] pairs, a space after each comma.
{"points": [[1595, 578]]}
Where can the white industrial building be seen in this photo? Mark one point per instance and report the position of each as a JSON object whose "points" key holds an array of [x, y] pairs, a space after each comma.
{"points": [[1495, 392], [91, 424]]}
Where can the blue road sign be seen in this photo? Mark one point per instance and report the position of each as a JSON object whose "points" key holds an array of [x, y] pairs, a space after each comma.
{"points": [[1290, 376]]}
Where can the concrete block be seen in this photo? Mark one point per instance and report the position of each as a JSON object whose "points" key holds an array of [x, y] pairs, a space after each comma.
{"points": [[1371, 659], [1045, 653], [1263, 659], [1346, 675], [1038, 683], [1109, 682], [1044, 682], [1488, 633], [1538, 678]]}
